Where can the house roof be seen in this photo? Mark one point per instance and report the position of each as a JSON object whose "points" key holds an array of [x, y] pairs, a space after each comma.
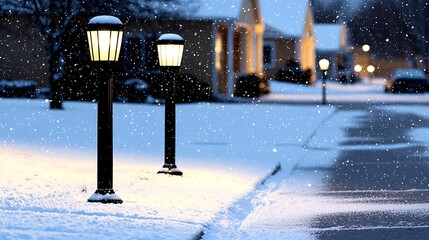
{"points": [[287, 16], [229, 9], [273, 33], [329, 37]]}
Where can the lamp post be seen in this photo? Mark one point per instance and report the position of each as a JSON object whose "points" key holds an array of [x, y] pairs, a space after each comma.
{"points": [[105, 37], [170, 53], [324, 66]]}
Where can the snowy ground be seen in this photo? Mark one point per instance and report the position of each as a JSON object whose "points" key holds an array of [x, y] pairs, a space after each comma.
{"points": [[48, 161], [367, 91]]}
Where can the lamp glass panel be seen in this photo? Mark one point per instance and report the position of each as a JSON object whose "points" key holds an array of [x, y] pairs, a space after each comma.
{"points": [[94, 44], [104, 44], [118, 46], [90, 46], [170, 55], [113, 44]]}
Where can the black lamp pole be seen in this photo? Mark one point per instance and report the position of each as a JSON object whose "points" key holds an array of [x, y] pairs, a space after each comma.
{"points": [[324, 72], [170, 52], [105, 36], [170, 122]]}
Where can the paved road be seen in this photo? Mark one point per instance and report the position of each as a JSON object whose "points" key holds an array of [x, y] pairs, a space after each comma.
{"points": [[383, 173]]}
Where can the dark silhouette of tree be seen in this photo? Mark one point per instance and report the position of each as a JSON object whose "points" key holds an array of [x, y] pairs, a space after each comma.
{"points": [[331, 11], [381, 24], [416, 17]]}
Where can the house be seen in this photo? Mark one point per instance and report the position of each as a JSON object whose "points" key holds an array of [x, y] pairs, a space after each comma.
{"points": [[332, 44], [225, 41], [289, 35]]}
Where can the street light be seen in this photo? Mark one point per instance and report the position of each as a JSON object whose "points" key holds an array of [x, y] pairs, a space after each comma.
{"points": [[358, 68], [324, 66], [370, 69], [366, 48], [105, 39], [170, 53]]}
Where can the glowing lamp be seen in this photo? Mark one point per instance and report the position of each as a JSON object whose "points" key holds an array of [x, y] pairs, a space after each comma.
{"points": [[324, 64], [105, 38], [170, 50]]}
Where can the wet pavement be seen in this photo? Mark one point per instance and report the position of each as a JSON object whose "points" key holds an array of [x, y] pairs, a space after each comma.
{"points": [[380, 165]]}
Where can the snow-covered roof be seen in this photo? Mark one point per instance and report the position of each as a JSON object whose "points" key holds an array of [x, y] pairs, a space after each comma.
{"points": [[273, 33], [288, 16], [218, 9], [328, 37]]}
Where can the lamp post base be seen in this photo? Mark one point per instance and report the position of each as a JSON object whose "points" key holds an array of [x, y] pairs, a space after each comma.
{"points": [[170, 169], [105, 196]]}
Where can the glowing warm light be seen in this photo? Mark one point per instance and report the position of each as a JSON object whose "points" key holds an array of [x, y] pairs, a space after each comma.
{"points": [[358, 68], [170, 50], [370, 69], [366, 48], [105, 38], [324, 64]]}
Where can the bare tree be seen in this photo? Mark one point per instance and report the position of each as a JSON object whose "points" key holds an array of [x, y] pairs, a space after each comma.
{"points": [[54, 19], [331, 11], [381, 24], [416, 16]]}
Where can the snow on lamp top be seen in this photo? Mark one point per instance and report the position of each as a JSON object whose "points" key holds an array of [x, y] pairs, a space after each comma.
{"points": [[170, 50], [105, 19], [105, 35]]}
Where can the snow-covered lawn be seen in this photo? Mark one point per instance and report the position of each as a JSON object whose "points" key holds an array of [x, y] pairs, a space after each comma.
{"points": [[48, 164], [48, 161]]}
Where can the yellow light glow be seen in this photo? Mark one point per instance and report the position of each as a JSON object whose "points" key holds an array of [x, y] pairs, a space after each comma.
{"points": [[90, 46], [366, 48], [170, 55], [370, 69], [324, 64], [105, 45], [358, 68]]}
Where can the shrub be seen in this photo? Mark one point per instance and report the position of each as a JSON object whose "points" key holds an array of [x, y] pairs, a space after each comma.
{"points": [[291, 72], [248, 86], [190, 89]]}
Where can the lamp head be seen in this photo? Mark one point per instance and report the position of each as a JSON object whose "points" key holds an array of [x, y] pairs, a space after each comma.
{"points": [[170, 50], [324, 64], [105, 35]]}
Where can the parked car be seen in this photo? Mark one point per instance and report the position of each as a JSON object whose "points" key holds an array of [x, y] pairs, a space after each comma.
{"points": [[292, 72], [407, 80], [346, 76]]}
